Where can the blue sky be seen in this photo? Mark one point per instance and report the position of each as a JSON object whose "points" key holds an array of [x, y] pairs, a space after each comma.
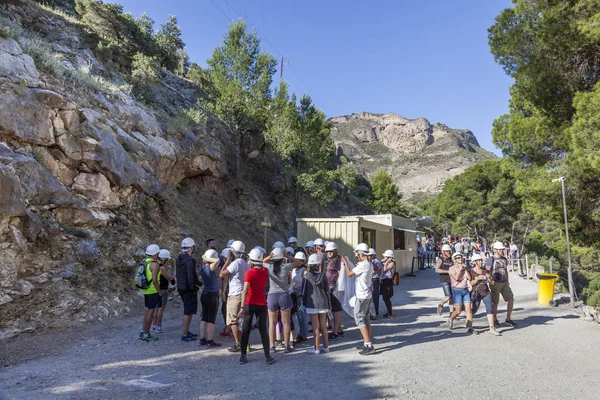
{"points": [[416, 58]]}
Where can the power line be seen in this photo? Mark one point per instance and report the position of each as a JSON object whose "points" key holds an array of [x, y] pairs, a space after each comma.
{"points": [[220, 9]]}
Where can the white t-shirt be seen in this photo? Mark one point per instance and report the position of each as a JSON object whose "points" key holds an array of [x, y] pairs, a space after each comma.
{"points": [[237, 271], [364, 276], [297, 279]]}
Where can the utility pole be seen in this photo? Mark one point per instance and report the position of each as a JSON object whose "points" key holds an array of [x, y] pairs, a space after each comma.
{"points": [[569, 269]]}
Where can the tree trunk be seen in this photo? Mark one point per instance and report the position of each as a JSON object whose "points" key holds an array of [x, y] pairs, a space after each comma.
{"points": [[236, 152]]}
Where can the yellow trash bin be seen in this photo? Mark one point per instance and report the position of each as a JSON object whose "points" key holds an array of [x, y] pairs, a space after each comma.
{"points": [[546, 288]]}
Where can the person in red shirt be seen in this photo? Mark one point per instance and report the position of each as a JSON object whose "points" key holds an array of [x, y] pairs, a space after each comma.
{"points": [[254, 302]]}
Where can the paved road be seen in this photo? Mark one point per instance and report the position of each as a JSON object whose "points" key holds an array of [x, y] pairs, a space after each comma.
{"points": [[551, 355]]}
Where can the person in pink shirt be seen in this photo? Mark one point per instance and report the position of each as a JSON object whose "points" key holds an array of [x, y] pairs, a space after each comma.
{"points": [[461, 294]]}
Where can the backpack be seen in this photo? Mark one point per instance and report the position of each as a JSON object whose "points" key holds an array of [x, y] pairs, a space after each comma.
{"points": [[499, 270], [140, 280]]}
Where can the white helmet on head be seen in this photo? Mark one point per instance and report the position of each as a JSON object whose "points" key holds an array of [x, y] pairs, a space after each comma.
{"points": [[278, 244], [498, 246], [476, 257], [456, 255], [238, 247], [319, 242], [292, 240], [289, 250], [314, 259], [331, 246], [277, 253], [446, 247], [210, 254], [388, 253], [372, 252], [300, 256], [362, 248], [152, 250], [310, 244], [187, 243], [230, 242], [256, 256], [261, 249], [164, 254], [225, 253]]}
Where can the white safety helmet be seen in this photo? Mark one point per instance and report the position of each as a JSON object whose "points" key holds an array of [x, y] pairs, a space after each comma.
{"points": [[300, 256], [446, 247], [152, 250], [362, 248], [372, 252], [187, 243], [319, 242], [476, 257], [238, 247], [210, 254], [292, 240], [289, 250], [498, 246], [388, 253], [277, 253], [330, 246], [225, 253], [278, 245], [314, 259], [164, 254], [256, 256], [456, 255], [230, 242], [310, 244], [261, 249]]}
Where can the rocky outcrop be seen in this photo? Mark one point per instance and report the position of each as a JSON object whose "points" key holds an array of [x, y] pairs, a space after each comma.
{"points": [[419, 156]]}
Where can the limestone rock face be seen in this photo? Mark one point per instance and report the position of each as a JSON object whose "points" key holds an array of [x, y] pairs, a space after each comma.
{"points": [[15, 65], [25, 119], [97, 189], [419, 156], [12, 200]]}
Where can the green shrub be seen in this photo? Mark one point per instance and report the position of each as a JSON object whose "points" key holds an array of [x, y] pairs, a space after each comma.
{"points": [[144, 76], [319, 186], [9, 29], [591, 294]]}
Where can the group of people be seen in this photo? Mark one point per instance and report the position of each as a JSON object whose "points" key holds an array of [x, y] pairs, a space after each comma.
{"points": [[275, 288], [465, 288]]}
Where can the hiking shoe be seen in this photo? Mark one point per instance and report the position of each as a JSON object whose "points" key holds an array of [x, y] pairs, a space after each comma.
{"points": [[334, 336], [269, 360], [440, 309], [287, 350], [203, 342], [188, 338], [367, 350], [511, 323], [212, 343], [272, 349], [225, 334], [149, 338], [324, 350], [235, 348], [494, 332], [141, 335], [243, 360], [313, 351]]}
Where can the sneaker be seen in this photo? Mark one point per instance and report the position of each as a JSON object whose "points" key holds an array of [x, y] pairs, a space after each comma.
{"points": [[279, 344], [373, 318], [494, 332], [386, 316], [272, 349], [203, 342], [188, 338], [149, 338], [367, 350], [287, 350], [153, 328], [360, 347], [140, 335], [243, 360], [334, 336], [324, 350], [193, 334], [235, 348], [511, 323], [313, 351], [496, 323], [212, 343], [470, 331], [450, 324], [440, 309], [248, 349], [301, 339], [157, 329], [269, 360], [341, 333], [225, 334]]}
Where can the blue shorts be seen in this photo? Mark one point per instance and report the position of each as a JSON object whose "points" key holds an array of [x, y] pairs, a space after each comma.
{"points": [[461, 296]]}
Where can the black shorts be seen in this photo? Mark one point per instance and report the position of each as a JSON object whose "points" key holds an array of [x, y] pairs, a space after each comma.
{"points": [[153, 300], [190, 302], [336, 306], [210, 307]]}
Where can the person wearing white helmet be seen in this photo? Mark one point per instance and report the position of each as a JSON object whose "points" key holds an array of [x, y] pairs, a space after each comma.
{"points": [[442, 265], [310, 248], [278, 245], [188, 285], [234, 271], [209, 298], [461, 295], [164, 257], [319, 247], [255, 304], [316, 301], [377, 267], [480, 281], [362, 306], [230, 242], [153, 293], [497, 265], [224, 292], [293, 243], [279, 299], [296, 290], [387, 282], [333, 266]]}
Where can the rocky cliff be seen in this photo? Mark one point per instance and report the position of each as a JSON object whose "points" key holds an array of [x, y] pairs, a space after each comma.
{"points": [[419, 156]]}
